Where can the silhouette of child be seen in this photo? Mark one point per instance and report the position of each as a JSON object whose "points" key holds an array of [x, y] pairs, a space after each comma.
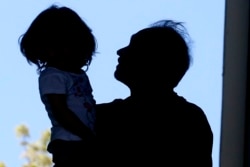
{"points": [[154, 126], [60, 44]]}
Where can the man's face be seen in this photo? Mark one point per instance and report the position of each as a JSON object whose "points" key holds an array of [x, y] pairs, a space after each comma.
{"points": [[131, 62]]}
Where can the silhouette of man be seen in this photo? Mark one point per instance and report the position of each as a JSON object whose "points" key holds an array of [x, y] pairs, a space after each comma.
{"points": [[154, 126]]}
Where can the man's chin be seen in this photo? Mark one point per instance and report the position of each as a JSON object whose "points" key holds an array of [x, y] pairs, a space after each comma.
{"points": [[118, 76]]}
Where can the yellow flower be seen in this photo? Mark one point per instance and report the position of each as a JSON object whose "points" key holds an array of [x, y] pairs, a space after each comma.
{"points": [[22, 131], [2, 164]]}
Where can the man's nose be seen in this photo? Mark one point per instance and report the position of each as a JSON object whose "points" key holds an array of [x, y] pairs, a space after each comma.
{"points": [[121, 51]]}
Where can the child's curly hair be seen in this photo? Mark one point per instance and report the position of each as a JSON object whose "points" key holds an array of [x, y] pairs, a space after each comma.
{"points": [[53, 29]]}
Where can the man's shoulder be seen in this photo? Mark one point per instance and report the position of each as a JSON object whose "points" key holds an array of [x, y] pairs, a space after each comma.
{"points": [[114, 103], [110, 108], [186, 105]]}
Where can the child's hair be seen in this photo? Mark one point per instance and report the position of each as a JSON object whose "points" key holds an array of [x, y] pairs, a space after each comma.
{"points": [[56, 28]]}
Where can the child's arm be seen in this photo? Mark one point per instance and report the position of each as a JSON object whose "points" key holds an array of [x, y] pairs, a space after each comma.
{"points": [[66, 117]]}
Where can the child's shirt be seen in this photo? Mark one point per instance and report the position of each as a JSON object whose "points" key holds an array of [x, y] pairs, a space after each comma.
{"points": [[80, 100]]}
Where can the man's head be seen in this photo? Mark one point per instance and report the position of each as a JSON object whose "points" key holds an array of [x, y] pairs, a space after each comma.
{"points": [[155, 55]]}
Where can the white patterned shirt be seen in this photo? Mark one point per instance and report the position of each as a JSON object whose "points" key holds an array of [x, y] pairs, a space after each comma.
{"points": [[80, 100]]}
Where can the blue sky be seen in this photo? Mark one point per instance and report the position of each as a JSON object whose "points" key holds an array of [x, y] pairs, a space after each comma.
{"points": [[112, 22]]}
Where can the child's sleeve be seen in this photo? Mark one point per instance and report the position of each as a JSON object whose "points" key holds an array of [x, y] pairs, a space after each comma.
{"points": [[52, 83]]}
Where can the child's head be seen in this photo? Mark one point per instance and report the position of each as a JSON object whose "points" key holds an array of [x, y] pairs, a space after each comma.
{"points": [[58, 36]]}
